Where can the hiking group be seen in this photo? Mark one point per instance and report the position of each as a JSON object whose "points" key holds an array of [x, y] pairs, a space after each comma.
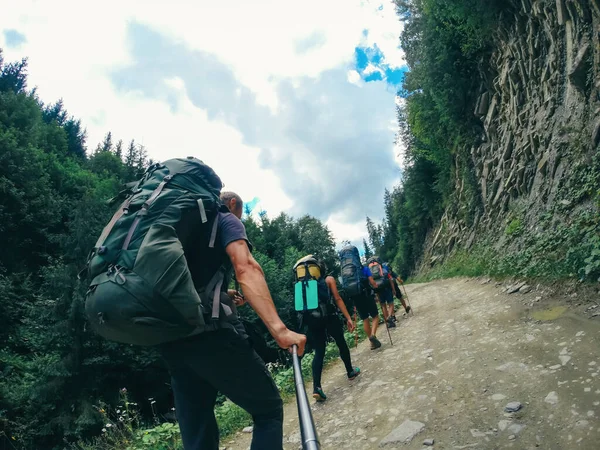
{"points": [[160, 276]]}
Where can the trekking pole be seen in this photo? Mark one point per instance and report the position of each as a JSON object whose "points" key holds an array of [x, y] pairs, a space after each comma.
{"points": [[310, 440], [386, 324], [355, 330], [407, 300]]}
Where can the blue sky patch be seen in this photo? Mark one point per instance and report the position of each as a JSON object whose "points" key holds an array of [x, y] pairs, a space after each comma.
{"points": [[374, 76], [365, 56], [395, 76], [250, 205], [361, 59], [13, 38]]}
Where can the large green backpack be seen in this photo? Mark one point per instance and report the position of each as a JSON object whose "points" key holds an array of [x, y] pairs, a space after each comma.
{"points": [[142, 290]]}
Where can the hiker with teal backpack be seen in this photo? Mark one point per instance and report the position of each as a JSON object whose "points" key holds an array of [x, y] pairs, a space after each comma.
{"points": [[160, 271], [357, 282], [314, 297]]}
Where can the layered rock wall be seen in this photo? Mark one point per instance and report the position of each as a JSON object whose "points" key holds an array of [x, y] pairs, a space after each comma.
{"points": [[539, 107]]}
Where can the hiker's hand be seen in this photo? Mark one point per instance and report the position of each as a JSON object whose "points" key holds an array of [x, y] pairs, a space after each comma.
{"points": [[350, 325], [287, 338], [237, 298]]}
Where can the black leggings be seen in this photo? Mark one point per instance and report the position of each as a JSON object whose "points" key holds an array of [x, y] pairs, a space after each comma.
{"points": [[318, 340]]}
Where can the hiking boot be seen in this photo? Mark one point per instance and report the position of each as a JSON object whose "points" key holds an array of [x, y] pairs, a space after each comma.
{"points": [[407, 309], [375, 344], [319, 395], [394, 319], [352, 375], [391, 323]]}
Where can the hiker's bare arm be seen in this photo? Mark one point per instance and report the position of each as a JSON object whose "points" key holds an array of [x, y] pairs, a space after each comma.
{"points": [[252, 280], [336, 296], [372, 282]]}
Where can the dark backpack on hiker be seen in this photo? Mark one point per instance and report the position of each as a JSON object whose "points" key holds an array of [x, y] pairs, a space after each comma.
{"points": [[142, 291], [352, 279], [379, 272], [312, 299]]}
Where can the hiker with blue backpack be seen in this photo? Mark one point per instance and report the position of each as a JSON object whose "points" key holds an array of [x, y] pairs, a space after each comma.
{"points": [[358, 284], [160, 272], [317, 301]]}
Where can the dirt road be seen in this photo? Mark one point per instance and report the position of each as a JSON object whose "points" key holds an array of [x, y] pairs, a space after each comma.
{"points": [[470, 349]]}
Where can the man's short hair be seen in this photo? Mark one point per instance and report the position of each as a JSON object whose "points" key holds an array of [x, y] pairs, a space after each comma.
{"points": [[227, 196]]}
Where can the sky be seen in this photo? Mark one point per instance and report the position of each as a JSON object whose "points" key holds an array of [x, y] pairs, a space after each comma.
{"points": [[292, 103]]}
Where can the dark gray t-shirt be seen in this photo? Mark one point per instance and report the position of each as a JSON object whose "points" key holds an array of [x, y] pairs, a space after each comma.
{"points": [[203, 261]]}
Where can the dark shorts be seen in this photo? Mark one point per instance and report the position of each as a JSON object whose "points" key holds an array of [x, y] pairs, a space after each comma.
{"points": [[386, 296], [366, 306]]}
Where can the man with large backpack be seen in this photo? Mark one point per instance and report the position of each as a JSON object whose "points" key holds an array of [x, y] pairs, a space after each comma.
{"points": [[160, 271], [357, 282], [315, 294], [385, 289]]}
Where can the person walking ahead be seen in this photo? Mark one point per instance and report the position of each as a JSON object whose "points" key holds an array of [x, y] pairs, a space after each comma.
{"points": [[385, 290], [395, 279], [160, 271], [358, 282], [320, 318]]}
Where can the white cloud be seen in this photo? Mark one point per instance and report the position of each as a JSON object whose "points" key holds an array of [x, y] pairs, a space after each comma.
{"points": [[354, 77], [72, 49]]}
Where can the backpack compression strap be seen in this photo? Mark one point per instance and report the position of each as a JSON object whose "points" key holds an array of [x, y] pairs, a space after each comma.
{"points": [[123, 209], [144, 210]]}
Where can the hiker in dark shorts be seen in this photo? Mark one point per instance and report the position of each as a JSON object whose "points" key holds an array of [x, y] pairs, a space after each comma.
{"points": [[223, 360], [367, 308], [357, 281], [395, 279], [386, 300], [385, 289]]}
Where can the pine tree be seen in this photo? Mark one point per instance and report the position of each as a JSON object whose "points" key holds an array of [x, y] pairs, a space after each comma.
{"points": [[142, 159], [107, 143], [119, 149], [368, 251]]}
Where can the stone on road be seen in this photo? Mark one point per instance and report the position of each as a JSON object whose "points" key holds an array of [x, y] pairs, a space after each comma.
{"points": [[403, 434], [512, 407]]}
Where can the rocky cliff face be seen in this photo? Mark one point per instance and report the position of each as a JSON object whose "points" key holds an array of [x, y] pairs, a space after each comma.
{"points": [[539, 107]]}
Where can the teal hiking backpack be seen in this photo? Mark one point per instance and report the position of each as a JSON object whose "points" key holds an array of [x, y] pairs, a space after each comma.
{"points": [[312, 299], [141, 290]]}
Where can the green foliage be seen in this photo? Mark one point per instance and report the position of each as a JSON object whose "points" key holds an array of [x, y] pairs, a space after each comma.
{"points": [[54, 370], [515, 227], [445, 43], [52, 209], [555, 251]]}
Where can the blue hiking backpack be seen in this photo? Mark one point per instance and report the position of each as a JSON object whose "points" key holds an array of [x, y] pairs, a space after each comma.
{"points": [[351, 271]]}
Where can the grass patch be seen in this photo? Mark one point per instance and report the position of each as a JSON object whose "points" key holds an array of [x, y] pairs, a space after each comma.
{"points": [[555, 251]]}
